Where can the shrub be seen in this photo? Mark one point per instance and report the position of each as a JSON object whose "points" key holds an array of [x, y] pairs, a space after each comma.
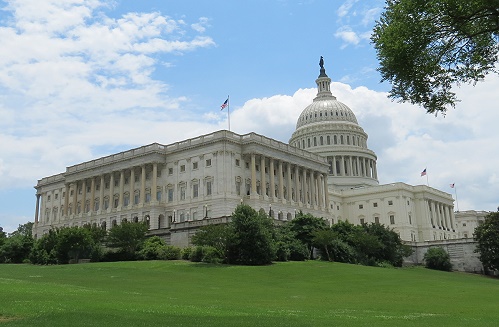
{"points": [[436, 258], [298, 251], [186, 253], [211, 255], [169, 252], [196, 254], [342, 252]]}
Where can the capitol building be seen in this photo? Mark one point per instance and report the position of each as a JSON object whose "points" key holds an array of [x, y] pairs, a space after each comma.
{"points": [[326, 169]]}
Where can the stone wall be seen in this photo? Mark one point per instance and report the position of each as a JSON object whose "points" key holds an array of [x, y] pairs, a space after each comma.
{"points": [[461, 253]]}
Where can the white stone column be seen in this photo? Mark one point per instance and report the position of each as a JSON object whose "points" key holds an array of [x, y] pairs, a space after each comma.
{"points": [[75, 197], [297, 184], [334, 166], [111, 191], [66, 199], [37, 209], [154, 187], [122, 188], [290, 184], [320, 185], [263, 182], [131, 190], [342, 166], [101, 193], [92, 195], [350, 164], [326, 195], [84, 195], [142, 185], [281, 181], [272, 179], [312, 189], [253, 175]]}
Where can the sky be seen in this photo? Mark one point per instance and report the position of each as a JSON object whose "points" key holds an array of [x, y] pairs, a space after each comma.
{"points": [[82, 79]]}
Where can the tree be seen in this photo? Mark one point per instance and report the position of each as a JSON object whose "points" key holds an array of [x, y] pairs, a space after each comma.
{"points": [[436, 258], [252, 243], [73, 243], [323, 239], [304, 226], [425, 47], [487, 237], [18, 245], [127, 237], [217, 236]]}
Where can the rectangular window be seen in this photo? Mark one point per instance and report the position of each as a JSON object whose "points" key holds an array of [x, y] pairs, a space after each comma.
{"points": [[158, 196], [361, 206], [195, 190], [107, 187], [375, 204], [88, 189], [116, 202], [126, 180], [208, 162], [376, 220], [48, 198], [56, 196], [182, 168], [148, 197], [170, 171], [194, 165], [392, 219], [136, 198], [170, 195], [390, 202], [126, 200], [96, 205], [97, 187], [410, 220], [106, 204], [238, 162], [362, 221], [208, 188], [116, 182]]}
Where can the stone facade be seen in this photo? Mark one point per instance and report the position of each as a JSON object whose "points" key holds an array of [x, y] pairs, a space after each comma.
{"points": [[326, 170]]}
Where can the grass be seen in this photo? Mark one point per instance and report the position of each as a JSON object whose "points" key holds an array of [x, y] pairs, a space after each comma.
{"points": [[178, 293]]}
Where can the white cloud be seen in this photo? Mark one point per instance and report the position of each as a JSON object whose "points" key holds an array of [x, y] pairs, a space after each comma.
{"points": [[346, 34], [201, 25], [344, 9], [74, 79]]}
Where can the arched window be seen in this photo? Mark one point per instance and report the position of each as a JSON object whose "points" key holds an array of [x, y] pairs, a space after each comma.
{"points": [[328, 140], [315, 141], [322, 140]]}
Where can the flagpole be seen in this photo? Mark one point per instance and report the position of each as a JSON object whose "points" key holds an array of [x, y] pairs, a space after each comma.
{"points": [[427, 183], [457, 202], [228, 111]]}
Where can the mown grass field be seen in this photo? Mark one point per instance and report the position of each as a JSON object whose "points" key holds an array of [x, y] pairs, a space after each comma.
{"points": [[178, 293]]}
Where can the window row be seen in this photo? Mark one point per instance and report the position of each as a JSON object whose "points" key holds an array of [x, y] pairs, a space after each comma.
{"points": [[335, 140]]}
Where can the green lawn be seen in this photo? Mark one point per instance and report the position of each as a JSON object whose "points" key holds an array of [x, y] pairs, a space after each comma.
{"points": [[178, 293]]}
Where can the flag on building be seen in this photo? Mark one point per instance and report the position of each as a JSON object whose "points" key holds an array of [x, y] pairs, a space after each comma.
{"points": [[226, 102], [452, 185], [423, 173]]}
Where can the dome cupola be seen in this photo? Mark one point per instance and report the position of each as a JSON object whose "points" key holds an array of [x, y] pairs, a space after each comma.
{"points": [[329, 128]]}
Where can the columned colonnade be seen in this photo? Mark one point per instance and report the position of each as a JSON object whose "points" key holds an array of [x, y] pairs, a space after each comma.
{"points": [[441, 215], [294, 183], [352, 166]]}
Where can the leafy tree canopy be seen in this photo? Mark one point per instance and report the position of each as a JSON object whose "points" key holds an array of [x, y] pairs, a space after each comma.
{"points": [[487, 236], [304, 226], [127, 236], [425, 47]]}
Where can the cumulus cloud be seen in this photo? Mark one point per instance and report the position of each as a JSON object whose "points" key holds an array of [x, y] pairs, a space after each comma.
{"points": [[74, 79]]}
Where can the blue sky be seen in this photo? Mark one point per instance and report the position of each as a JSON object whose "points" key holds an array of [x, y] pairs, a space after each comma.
{"points": [[80, 79]]}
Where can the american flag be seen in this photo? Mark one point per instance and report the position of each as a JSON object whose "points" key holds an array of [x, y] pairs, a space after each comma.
{"points": [[452, 185], [423, 173], [224, 104]]}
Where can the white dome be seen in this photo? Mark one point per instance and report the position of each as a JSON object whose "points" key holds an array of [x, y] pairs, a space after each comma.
{"points": [[324, 110]]}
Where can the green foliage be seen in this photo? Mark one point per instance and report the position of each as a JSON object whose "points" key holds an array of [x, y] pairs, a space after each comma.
{"points": [[437, 258], [73, 243], [218, 236], [487, 236], [424, 47], [186, 253], [18, 245], [252, 243], [151, 248], [127, 237], [169, 252], [342, 252], [322, 239], [304, 226]]}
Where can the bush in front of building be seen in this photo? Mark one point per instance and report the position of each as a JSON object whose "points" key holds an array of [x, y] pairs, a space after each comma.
{"points": [[169, 252], [437, 258]]}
